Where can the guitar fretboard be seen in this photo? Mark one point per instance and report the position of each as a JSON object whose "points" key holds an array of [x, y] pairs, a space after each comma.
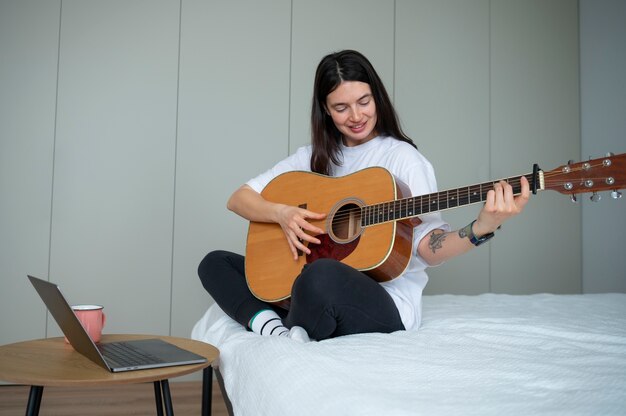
{"points": [[418, 205]]}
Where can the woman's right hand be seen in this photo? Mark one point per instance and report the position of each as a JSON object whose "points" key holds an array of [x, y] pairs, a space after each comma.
{"points": [[293, 221], [249, 204]]}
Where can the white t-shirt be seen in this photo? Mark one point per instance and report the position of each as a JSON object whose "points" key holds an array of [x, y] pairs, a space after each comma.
{"points": [[408, 166]]}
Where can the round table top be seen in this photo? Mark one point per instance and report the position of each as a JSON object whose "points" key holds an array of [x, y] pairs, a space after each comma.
{"points": [[53, 362]]}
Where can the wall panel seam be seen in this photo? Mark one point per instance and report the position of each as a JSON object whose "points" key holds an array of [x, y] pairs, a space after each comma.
{"points": [[176, 120], [290, 77], [489, 126], [54, 144], [395, 28], [580, 146]]}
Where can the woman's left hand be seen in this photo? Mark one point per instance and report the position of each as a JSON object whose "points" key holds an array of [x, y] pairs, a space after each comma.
{"points": [[500, 205]]}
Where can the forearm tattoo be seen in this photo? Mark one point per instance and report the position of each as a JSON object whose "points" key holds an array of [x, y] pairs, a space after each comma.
{"points": [[436, 241]]}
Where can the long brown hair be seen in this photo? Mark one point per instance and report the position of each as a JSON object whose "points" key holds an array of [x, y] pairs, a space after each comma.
{"points": [[333, 69]]}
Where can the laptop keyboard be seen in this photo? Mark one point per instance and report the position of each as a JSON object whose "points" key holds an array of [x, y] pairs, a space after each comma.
{"points": [[126, 355]]}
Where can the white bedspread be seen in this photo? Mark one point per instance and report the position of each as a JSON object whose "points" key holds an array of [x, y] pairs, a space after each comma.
{"points": [[474, 355]]}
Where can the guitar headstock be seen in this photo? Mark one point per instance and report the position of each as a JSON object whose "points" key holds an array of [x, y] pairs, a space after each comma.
{"points": [[596, 175]]}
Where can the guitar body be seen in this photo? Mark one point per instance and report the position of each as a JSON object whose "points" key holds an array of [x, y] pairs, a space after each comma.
{"points": [[381, 251]]}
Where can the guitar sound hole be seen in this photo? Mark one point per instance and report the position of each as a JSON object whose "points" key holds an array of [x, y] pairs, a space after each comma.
{"points": [[346, 223]]}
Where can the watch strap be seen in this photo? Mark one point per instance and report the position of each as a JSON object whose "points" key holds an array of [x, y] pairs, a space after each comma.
{"points": [[468, 232]]}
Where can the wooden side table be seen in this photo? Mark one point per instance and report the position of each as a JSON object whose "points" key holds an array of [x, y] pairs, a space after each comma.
{"points": [[53, 362]]}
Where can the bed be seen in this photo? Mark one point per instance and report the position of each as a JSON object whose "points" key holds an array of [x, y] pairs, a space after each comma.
{"points": [[488, 354]]}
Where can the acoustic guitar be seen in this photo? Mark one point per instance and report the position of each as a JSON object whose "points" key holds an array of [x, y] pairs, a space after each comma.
{"points": [[371, 215]]}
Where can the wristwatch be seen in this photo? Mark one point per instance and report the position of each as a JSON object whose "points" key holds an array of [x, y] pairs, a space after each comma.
{"points": [[469, 233]]}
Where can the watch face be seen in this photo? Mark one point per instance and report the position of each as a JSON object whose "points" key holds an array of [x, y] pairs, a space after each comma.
{"points": [[466, 231]]}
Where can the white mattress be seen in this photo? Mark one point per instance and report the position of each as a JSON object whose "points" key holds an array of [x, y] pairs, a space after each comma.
{"points": [[474, 355]]}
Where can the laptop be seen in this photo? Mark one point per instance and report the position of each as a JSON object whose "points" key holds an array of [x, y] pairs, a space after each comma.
{"points": [[114, 356]]}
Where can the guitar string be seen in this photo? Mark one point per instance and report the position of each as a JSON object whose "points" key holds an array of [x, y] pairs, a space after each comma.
{"points": [[439, 198], [462, 194], [395, 208]]}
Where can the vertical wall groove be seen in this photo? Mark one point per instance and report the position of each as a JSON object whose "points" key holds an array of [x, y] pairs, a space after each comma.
{"points": [[180, 17], [290, 78], [393, 72], [54, 140], [489, 114]]}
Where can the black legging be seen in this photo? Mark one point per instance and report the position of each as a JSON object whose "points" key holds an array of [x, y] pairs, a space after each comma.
{"points": [[328, 298]]}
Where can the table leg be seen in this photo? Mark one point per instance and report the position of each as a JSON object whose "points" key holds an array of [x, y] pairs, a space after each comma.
{"points": [[207, 390], [167, 398], [34, 400], [157, 398]]}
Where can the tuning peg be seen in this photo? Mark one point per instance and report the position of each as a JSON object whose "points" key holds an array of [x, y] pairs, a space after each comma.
{"points": [[616, 194], [595, 197], [573, 198]]}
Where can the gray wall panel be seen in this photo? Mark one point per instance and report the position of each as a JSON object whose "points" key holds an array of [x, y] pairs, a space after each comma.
{"points": [[114, 165], [535, 118], [29, 34], [442, 97], [603, 125], [233, 118]]}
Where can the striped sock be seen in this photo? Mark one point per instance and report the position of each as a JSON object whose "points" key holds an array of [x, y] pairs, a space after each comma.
{"points": [[267, 322]]}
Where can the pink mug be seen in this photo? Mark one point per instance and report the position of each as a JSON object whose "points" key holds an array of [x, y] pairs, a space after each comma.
{"points": [[92, 318]]}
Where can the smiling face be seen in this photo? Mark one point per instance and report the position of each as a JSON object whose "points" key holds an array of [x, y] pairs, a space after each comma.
{"points": [[353, 110]]}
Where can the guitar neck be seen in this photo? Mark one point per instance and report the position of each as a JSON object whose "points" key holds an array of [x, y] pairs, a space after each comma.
{"points": [[439, 201]]}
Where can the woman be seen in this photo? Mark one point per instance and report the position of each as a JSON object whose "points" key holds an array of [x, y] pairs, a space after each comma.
{"points": [[354, 126]]}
